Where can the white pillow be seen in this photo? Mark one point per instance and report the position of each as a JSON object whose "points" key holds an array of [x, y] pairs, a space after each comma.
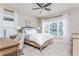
{"points": [[30, 32]]}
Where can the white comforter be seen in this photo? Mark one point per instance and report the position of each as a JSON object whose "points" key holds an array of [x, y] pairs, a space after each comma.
{"points": [[39, 38]]}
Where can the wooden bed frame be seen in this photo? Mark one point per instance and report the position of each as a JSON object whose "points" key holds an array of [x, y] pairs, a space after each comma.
{"points": [[36, 45]]}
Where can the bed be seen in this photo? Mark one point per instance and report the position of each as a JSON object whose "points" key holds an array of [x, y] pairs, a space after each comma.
{"points": [[37, 40]]}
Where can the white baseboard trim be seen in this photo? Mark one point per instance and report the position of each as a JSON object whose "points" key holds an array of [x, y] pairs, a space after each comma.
{"points": [[62, 41]]}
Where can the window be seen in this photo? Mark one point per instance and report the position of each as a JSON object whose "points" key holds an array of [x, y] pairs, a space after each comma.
{"points": [[54, 27], [60, 30]]}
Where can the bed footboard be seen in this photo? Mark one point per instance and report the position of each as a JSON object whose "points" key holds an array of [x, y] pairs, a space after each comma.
{"points": [[35, 45]]}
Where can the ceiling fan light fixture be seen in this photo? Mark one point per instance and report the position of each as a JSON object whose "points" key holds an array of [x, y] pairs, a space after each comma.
{"points": [[43, 6]]}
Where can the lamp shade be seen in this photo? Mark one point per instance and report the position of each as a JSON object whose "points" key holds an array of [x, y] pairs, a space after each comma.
{"points": [[38, 28], [18, 27]]}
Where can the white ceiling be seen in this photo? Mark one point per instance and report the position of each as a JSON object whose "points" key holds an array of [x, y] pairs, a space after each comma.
{"points": [[55, 8]]}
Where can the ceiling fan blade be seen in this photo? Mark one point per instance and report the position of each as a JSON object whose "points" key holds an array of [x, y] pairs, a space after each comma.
{"points": [[35, 8], [47, 9], [39, 4], [48, 4]]}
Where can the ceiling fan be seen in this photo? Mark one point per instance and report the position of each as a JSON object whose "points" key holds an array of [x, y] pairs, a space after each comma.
{"points": [[43, 6]]}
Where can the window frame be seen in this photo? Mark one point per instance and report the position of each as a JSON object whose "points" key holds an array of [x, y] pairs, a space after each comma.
{"points": [[58, 20]]}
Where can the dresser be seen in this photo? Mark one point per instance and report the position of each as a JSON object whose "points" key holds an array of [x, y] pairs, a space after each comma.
{"points": [[75, 45]]}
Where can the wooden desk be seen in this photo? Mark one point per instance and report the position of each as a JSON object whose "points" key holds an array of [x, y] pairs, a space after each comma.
{"points": [[8, 46]]}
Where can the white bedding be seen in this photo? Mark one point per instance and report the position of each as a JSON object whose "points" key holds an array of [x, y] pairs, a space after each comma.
{"points": [[39, 38]]}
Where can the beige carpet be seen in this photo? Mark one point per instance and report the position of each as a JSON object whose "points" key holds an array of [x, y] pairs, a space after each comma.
{"points": [[55, 49]]}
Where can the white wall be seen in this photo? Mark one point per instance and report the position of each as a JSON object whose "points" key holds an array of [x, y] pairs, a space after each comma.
{"points": [[74, 20], [22, 17]]}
